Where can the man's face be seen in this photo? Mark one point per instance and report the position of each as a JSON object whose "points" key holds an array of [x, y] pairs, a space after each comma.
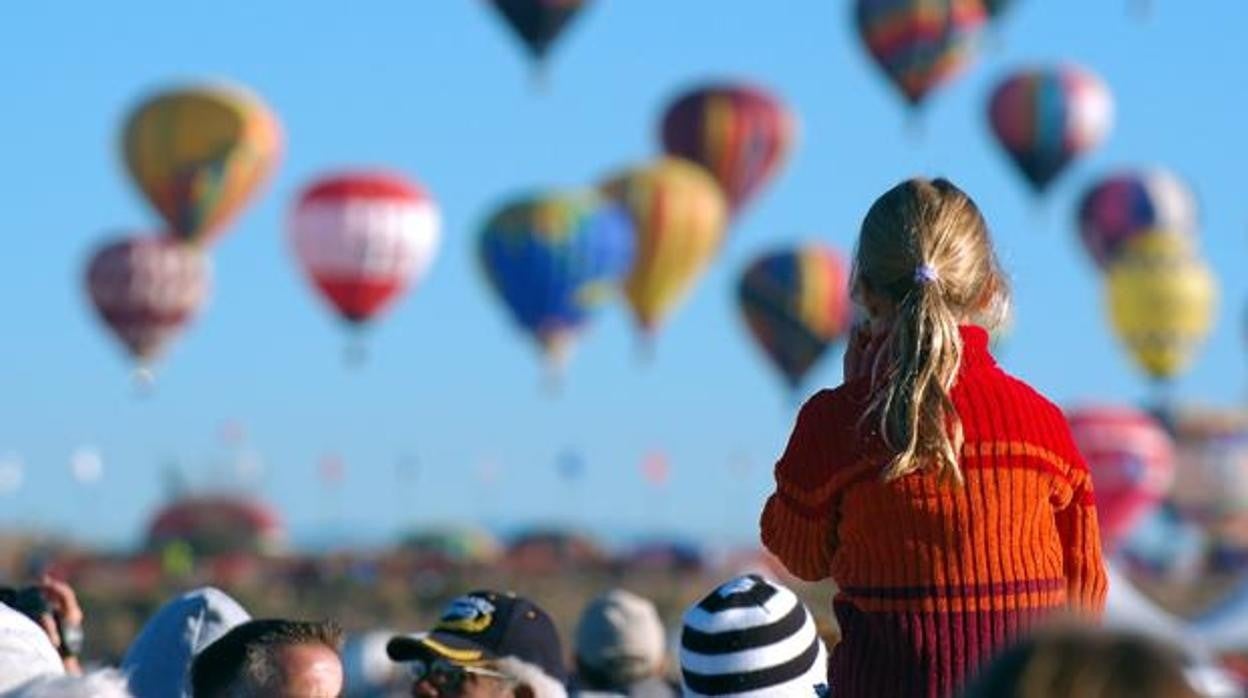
{"points": [[445, 680], [309, 671]]}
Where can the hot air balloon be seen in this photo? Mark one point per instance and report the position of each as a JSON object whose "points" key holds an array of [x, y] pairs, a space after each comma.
{"points": [[995, 8], [679, 213], [1128, 203], [538, 23], [1161, 301], [147, 289], [796, 304], [199, 153], [1046, 117], [920, 44], [1131, 458], [740, 134], [1211, 482], [554, 259], [362, 238]]}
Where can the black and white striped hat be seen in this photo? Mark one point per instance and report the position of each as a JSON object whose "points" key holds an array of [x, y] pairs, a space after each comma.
{"points": [[752, 638]]}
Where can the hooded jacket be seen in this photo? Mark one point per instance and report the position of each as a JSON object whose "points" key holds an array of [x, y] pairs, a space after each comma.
{"points": [[159, 661], [26, 653]]}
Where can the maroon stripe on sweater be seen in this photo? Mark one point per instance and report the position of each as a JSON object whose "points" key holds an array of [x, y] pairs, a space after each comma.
{"points": [[920, 654], [1020, 586]]}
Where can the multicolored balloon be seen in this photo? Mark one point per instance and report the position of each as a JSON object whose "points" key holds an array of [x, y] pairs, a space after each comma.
{"points": [[1131, 458], [679, 214], [199, 154], [538, 23], [740, 134], [1128, 203], [995, 8], [1161, 299], [362, 238], [796, 304], [1044, 118], [147, 289], [554, 259], [1211, 485], [920, 44]]}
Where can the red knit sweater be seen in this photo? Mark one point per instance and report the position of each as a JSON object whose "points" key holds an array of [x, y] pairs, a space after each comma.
{"points": [[935, 579]]}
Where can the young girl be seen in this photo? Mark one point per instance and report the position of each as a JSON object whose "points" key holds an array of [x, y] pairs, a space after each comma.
{"points": [[944, 498]]}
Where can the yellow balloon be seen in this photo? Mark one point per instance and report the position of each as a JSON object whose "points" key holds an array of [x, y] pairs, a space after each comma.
{"points": [[679, 214], [199, 153], [1162, 299]]}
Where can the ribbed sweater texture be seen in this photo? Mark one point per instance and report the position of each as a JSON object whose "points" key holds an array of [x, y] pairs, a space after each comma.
{"points": [[935, 578]]}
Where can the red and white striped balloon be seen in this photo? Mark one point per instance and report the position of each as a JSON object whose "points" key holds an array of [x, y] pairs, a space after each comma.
{"points": [[363, 238], [146, 289], [1131, 458]]}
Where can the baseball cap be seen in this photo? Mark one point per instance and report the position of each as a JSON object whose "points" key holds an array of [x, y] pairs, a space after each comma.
{"points": [[486, 625], [620, 635]]}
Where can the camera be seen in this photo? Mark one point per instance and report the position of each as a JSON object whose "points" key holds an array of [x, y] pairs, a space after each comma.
{"points": [[29, 601]]}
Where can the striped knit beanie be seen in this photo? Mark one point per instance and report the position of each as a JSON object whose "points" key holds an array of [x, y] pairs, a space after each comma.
{"points": [[752, 638]]}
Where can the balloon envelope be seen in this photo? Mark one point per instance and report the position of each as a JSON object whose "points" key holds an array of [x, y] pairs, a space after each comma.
{"points": [[740, 134], [554, 259], [679, 215], [1161, 301], [199, 153], [146, 290], [1046, 117], [1211, 482], [796, 304], [1131, 458], [1129, 203], [920, 44], [538, 23], [362, 238]]}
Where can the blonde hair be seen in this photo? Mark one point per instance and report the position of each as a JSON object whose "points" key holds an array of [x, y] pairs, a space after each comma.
{"points": [[924, 250]]}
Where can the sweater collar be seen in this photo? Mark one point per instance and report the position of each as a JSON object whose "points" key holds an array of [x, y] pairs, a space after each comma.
{"points": [[975, 347]]}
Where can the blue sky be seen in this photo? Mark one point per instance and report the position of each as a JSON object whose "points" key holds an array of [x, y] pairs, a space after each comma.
{"points": [[437, 89]]}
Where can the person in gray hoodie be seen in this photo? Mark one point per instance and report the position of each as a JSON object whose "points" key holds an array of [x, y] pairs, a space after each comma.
{"points": [[159, 661]]}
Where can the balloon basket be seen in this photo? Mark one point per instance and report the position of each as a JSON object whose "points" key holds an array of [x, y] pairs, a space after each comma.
{"points": [[355, 353], [143, 380]]}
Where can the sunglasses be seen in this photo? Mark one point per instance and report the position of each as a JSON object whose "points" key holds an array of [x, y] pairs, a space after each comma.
{"points": [[448, 675]]}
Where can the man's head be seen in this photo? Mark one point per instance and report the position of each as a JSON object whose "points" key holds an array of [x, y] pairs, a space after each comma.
{"points": [[486, 645], [619, 642], [280, 658]]}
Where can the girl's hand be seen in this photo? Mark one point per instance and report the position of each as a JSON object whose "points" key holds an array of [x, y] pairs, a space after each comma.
{"points": [[865, 342]]}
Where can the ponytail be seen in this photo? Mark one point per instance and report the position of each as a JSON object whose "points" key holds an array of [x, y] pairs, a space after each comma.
{"points": [[925, 256], [917, 417]]}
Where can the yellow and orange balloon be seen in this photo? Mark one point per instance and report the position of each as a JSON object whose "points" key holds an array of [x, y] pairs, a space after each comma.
{"points": [[679, 213], [199, 154]]}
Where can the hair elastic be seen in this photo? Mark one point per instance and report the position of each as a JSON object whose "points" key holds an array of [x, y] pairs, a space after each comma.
{"points": [[925, 274]]}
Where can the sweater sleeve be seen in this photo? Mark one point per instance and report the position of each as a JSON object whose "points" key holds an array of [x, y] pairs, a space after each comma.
{"points": [[1075, 511], [796, 524]]}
